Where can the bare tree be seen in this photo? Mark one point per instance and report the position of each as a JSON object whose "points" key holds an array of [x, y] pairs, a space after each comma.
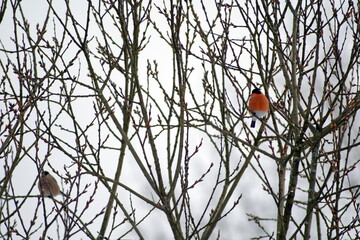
{"points": [[139, 109]]}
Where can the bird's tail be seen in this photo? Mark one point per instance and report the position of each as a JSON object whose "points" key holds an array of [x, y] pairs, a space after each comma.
{"points": [[253, 121]]}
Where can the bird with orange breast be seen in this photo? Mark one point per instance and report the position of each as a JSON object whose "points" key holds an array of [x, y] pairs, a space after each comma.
{"points": [[258, 105], [48, 186]]}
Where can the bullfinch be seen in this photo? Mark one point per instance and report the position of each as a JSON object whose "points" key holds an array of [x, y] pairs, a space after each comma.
{"points": [[48, 186], [258, 105]]}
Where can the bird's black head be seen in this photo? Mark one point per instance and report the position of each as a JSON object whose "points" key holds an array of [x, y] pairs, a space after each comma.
{"points": [[256, 91], [46, 173]]}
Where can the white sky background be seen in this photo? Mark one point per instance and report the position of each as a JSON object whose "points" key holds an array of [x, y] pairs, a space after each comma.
{"points": [[254, 200]]}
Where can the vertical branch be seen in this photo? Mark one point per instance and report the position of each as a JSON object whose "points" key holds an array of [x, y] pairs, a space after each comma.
{"points": [[131, 53], [311, 201], [175, 27], [292, 85], [176, 18]]}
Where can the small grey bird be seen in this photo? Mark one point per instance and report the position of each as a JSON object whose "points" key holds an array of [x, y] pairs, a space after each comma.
{"points": [[47, 185]]}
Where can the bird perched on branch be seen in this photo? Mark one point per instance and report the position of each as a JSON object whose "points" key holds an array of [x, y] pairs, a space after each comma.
{"points": [[258, 105], [47, 185]]}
